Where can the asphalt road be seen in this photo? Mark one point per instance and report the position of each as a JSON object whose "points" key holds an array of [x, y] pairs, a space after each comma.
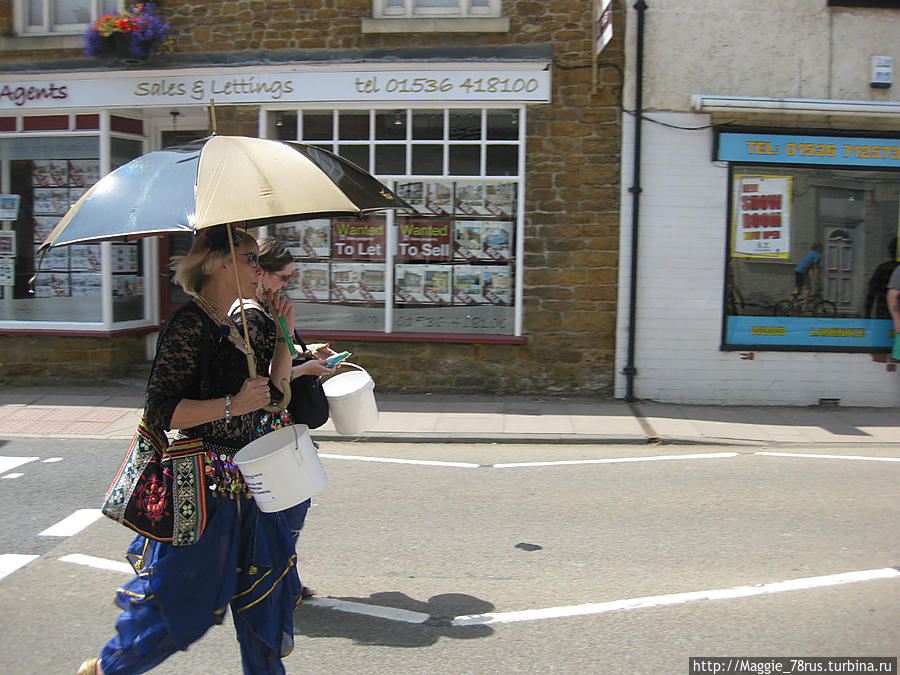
{"points": [[452, 564]]}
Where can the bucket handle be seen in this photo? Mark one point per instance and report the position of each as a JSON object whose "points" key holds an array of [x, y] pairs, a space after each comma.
{"points": [[297, 454], [344, 363]]}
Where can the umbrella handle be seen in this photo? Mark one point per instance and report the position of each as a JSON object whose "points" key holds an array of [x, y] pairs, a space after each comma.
{"points": [[285, 401]]}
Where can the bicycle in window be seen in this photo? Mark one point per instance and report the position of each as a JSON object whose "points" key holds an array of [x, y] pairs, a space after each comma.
{"points": [[813, 305]]}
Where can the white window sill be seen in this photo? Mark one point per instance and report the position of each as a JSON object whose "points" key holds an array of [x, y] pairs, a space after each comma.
{"points": [[39, 42], [431, 25]]}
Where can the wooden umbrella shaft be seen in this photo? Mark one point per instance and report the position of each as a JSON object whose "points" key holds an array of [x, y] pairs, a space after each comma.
{"points": [[251, 359]]}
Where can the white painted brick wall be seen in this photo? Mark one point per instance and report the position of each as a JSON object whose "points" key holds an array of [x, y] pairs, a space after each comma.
{"points": [[681, 263]]}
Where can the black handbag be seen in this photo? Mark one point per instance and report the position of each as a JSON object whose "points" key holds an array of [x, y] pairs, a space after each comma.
{"points": [[308, 405]]}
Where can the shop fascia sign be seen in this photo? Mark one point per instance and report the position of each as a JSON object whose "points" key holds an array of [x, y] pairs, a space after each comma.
{"points": [[503, 82]]}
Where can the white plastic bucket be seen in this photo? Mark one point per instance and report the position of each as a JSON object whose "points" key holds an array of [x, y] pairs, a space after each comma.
{"points": [[351, 401], [282, 468]]}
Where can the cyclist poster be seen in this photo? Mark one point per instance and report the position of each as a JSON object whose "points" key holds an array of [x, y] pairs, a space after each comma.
{"points": [[761, 226]]}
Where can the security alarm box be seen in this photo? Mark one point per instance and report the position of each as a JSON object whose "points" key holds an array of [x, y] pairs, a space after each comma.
{"points": [[882, 71]]}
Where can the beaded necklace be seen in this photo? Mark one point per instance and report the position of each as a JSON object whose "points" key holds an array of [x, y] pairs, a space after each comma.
{"points": [[226, 325]]}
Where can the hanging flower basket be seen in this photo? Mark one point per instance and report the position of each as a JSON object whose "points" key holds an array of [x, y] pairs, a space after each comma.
{"points": [[130, 37]]}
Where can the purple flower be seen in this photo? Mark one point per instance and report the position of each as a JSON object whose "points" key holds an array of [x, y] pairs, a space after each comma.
{"points": [[141, 27]]}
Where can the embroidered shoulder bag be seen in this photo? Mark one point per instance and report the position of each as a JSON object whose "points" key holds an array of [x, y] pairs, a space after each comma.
{"points": [[160, 489]]}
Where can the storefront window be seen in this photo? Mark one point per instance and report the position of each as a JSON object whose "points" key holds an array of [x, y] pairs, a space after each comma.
{"points": [[453, 270], [455, 8], [450, 267], [49, 174], [813, 239]]}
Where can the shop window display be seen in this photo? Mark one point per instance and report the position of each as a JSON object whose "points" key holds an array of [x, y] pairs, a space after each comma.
{"points": [[451, 264], [447, 268], [49, 174], [840, 226]]}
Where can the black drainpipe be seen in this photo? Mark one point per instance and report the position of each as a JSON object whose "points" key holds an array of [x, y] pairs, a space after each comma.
{"points": [[630, 371]]}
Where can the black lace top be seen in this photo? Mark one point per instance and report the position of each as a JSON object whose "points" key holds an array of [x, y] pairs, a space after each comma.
{"points": [[176, 374], [262, 331]]}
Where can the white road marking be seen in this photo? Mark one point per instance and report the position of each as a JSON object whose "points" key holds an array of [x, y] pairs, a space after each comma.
{"points": [[10, 562], [390, 613], [99, 563], [801, 454], [7, 463], [677, 598], [407, 616], [13, 475], [391, 460], [72, 524], [617, 460], [51, 460]]}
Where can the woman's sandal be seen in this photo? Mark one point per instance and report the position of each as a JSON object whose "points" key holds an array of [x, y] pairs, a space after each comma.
{"points": [[89, 667]]}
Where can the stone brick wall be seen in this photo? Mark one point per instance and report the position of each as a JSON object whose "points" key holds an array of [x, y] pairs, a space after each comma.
{"points": [[571, 201], [35, 359]]}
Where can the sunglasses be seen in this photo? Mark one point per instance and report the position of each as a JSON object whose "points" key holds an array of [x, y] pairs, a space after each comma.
{"points": [[285, 278], [252, 258]]}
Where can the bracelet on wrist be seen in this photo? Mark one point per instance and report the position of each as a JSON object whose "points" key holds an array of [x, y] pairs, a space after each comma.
{"points": [[227, 407]]}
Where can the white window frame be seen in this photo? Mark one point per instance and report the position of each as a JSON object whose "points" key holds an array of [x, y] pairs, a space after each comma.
{"points": [[518, 179], [411, 10], [20, 8]]}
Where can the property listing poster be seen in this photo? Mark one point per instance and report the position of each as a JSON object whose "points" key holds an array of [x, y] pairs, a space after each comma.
{"points": [[423, 240], [86, 284], [56, 259], [7, 243], [428, 198], [67, 271], [85, 258], [423, 284], [461, 198], [313, 239], [761, 227], [124, 258], [470, 199], [439, 198], [482, 284], [500, 199], [83, 173], [125, 285], [51, 201], [485, 199], [413, 194], [52, 285], [42, 226], [312, 282], [357, 282], [483, 240], [358, 239]]}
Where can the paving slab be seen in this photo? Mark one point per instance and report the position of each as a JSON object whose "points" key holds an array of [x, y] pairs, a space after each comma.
{"points": [[113, 410]]}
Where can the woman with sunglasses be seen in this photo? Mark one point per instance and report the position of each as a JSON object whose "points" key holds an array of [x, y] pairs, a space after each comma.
{"points": [[200, 384], [276, 265]]}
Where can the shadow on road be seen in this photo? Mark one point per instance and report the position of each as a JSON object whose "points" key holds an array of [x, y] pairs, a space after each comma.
{"points": [[318, 622]]}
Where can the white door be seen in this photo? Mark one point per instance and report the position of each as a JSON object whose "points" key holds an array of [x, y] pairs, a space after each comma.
{"points": [[839, 268]]}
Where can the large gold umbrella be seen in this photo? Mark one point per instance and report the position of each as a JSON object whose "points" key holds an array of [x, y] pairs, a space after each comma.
{"points": [[217, 180]]}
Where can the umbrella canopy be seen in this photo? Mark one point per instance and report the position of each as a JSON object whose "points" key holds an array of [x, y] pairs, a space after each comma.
{"points": [[216, 180]]}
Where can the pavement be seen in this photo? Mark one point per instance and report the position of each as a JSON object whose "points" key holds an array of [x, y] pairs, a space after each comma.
{"points": [[112, 411]]}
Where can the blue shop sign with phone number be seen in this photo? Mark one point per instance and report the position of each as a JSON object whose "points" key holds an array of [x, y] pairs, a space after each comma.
{"points": [[797, 149]]}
